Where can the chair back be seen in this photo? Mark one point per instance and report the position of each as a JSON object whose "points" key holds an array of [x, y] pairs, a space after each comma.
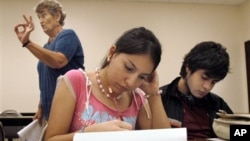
{"points": [[1, 132], [10, 132], [10, 113]]}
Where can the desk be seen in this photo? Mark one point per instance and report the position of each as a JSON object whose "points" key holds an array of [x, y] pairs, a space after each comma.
{"points": [[12, 124], [16, 120]]}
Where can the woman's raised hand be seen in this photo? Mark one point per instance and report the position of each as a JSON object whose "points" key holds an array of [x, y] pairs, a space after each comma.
{"points": [[23, 30]]}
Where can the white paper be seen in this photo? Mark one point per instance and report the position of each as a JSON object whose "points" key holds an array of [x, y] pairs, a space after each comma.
{"points": [[215, 139], [170, 134], [32, 131]]}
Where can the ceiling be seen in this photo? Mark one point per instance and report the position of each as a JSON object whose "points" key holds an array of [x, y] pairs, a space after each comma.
{"points": [[219, 2]]}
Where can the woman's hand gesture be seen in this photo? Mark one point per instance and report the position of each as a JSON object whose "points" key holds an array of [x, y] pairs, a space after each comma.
{"points": [[23, 30]]}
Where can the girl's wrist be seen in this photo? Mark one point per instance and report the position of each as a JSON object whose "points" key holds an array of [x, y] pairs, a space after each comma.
{"points": [[158, 93]]}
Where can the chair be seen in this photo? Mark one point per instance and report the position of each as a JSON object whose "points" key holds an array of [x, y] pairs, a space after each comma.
{"points": [[11, 131], [1, 132], [10, 113]]}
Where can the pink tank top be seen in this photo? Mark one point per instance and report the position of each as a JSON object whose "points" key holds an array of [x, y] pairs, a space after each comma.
{"points": [[89, 110]]}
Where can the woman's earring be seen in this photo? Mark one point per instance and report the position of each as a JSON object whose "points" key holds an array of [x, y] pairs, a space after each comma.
{"points": [[108, 59]]}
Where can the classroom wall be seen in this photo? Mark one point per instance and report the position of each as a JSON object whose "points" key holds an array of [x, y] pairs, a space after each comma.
{"points": [[245, 13], [245, 10], [1, 44], [99, 23]]}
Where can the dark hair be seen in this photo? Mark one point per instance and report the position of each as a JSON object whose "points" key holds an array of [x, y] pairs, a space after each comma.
{"points": [[53, 7], [210, 56], [138, 41]]}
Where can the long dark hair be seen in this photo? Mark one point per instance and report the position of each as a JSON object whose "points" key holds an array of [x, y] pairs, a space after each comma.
{"points": [[138, 41]]}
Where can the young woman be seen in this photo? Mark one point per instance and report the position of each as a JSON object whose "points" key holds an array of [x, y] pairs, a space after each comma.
{"points": [[121, 95]]}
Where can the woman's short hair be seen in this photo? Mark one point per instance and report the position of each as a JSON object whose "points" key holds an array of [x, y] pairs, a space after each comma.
{"points": [[53, 7]]}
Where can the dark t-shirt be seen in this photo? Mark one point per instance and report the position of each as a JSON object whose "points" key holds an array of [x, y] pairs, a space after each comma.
{"points": [[66, 42], [196, 120]]}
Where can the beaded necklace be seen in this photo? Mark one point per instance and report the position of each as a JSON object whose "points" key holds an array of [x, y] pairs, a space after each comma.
{"points": [[110, 94]]}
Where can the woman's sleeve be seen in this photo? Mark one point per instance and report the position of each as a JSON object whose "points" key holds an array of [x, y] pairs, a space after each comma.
{"points": [[75, 80]]}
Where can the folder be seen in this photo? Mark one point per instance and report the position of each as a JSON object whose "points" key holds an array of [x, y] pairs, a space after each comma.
{"points": [[32, 132]]}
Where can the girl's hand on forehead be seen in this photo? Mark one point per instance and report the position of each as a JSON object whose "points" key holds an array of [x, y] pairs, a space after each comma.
{"points": [[151, 86]]}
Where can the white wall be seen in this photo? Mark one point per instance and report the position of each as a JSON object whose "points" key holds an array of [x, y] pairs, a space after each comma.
{"points": [[99, 23], [245, 14], [1, 44], [245, 10]]}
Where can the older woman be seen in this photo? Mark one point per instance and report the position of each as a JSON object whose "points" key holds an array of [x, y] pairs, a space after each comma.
{"points": [[61, 53]]}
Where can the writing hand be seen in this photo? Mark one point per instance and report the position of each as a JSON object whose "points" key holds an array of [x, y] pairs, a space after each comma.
{"points": [[113, 125]]}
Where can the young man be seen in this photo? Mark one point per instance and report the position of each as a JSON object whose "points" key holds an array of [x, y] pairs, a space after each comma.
{"points": [[188, 100]]}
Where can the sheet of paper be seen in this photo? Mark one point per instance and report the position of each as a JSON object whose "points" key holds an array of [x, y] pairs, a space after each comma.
{"points": [[172, 134], [31, 132], [215, 139]]}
